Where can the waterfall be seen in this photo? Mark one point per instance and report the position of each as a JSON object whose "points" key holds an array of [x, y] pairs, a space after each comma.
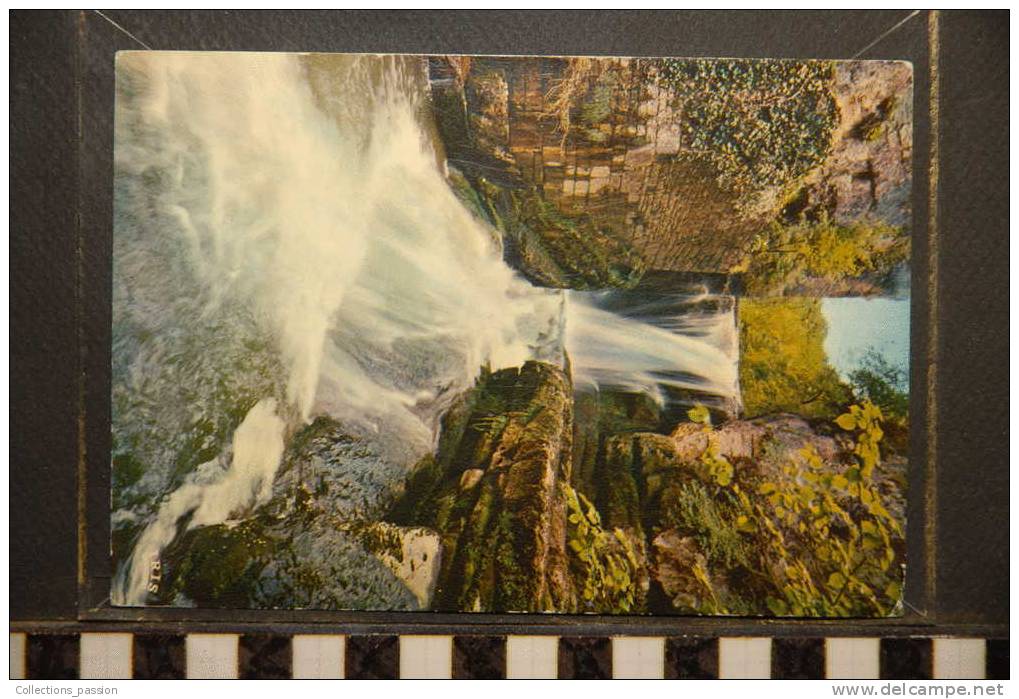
{"points": [[298, 210], [678, 345], [286, 246]]}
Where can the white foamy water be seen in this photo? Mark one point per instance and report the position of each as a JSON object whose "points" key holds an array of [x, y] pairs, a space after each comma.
{"points": [[650, 343], [286, 245], [210, 495], [305, 192]]}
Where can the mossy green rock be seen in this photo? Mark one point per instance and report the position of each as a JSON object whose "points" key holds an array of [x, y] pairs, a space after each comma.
{"points": [[262, 563], [492, 492], [601, 414]]}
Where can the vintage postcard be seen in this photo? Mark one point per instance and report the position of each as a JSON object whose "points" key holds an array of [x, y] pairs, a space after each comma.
{"points": [[511, 334]]}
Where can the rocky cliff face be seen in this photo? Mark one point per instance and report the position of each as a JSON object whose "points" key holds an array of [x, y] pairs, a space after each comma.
{"points": [[618, 161], [868, 173], [605, 139]]}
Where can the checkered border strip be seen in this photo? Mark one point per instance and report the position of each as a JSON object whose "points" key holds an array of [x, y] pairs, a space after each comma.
{"points": [[265, 656]]}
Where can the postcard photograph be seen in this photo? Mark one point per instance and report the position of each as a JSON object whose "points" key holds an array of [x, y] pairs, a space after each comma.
{"points": [[567, 335]]}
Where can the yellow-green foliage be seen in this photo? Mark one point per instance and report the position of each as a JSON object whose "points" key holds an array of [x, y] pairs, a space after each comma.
{"points": [[787, 255], [825, 543], [716, 468], [783, 365], [606, 561], [831, 537]]}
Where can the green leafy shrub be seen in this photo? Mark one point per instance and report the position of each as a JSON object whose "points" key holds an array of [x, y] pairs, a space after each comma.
{"points": [[606, 563], [887, 387], [597, 107], [787, 255], [883, 384], [831, 536], [711, 517], [820, 540]]}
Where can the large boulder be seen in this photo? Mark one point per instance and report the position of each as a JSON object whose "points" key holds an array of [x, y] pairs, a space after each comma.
{"points": [[316, 543], [758, 444]]}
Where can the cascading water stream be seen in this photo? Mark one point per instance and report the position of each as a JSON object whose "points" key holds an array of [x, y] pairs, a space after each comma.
{"points": [[286, 246], [678, 347]]}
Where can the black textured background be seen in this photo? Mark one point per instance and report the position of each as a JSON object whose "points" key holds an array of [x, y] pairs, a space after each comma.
{"points": [[61, 212]]}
